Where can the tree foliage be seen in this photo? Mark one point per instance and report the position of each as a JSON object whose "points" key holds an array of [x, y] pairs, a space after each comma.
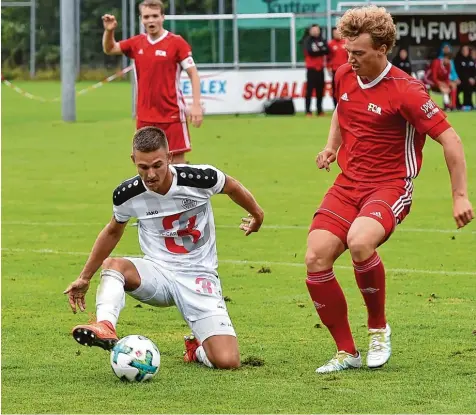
{"points": [[15, 30]]}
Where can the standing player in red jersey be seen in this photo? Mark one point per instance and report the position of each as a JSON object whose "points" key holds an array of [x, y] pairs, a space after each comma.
{"points": [[377, 135], [336, 58], [159, 57], [315, 49]]}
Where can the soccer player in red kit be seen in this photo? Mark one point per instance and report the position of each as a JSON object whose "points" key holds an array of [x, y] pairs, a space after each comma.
{"points": [[336, 58], [159, 57], [377, 135], [440, 80]]}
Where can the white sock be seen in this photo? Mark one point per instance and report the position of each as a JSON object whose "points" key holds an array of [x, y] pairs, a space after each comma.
{"points": [[202, 357], [110, 296], [446, 99]]}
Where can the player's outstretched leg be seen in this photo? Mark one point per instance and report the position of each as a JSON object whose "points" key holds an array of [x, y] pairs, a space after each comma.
{"points": [[101, 334], [364, 236], [323, 249], [117, 275]]}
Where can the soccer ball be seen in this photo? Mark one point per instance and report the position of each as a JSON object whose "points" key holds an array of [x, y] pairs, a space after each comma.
{"points": [[135, 358]]}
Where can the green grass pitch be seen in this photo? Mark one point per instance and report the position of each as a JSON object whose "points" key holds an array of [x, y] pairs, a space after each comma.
{"points": [[57, 181]]}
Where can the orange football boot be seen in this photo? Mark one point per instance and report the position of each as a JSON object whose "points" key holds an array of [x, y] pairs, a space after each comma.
{"points": [[101, 334]]}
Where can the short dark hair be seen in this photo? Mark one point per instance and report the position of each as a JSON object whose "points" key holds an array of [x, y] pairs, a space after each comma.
{"points": [[148, 139], [154, 4]]}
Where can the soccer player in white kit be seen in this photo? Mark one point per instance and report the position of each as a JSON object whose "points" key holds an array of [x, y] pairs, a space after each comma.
{"points": [[177, 236]]}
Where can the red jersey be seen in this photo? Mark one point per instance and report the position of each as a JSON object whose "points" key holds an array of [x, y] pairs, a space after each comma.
{"points": [[337, 54], [384, 124], [315, 48], [440, 72], [314, 62], [157, 65]]}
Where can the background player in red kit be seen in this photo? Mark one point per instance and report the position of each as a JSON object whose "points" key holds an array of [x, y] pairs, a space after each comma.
{"points": [[378, 129], [314, 49], [159, 57], [336, 58], [440, 71]]}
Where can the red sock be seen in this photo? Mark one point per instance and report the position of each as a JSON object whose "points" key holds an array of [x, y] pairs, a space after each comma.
{"points": [[331, 306], [370, 276], [454, 97]]}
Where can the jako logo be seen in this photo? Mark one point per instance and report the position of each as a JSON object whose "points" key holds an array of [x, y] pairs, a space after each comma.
{"points": [[152, 212]]}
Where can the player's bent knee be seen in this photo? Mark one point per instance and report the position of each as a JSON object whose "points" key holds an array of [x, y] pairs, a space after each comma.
{"points": [[121, 265], [131, 276], [323, 248], [113, 263], [226, 360], [222, 351], [321, 255], [359, 247], [317, 260]]}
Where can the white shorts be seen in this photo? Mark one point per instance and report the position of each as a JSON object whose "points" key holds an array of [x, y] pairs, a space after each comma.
{"points": [[197, 296]]}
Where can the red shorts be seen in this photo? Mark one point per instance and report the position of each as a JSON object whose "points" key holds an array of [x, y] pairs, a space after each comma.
{"points": [[387, 203], [177, 134]]}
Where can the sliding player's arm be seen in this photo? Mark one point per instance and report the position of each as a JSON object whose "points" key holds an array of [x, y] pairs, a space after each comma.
{"points": [[105, 243], [243, 197]]}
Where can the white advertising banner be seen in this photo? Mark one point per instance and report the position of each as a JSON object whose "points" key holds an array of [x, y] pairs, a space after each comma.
{"points": [[246, 91]]}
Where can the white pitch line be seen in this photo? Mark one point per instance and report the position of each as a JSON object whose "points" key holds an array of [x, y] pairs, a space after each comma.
{"points": [[284, 227], [244, 262]]}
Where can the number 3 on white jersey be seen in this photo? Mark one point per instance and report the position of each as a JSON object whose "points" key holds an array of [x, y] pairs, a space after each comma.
{"points": [[192, 238]]}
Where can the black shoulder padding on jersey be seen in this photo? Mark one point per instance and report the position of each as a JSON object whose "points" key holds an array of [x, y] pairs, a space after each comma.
{"points": [[196, 177], [127, 190]]}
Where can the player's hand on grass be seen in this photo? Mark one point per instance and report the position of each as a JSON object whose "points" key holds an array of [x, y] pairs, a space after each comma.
{"points": [[76, 292], [196, 115], [250, 224], [109, 22], [463, 211], [325, 158]]}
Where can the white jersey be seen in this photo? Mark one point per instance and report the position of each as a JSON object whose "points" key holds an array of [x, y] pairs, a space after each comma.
{"points": [[176, 230]]}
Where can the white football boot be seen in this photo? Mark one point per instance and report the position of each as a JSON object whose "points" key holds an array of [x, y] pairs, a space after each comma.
{"points": [[380, 347], [341, 361]]}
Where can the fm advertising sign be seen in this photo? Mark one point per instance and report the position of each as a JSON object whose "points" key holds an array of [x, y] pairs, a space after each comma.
{"points": [[433, 30]]}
